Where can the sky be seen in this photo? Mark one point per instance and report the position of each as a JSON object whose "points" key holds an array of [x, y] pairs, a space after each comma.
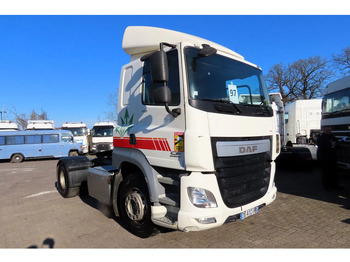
{"points": [[68, 65]]}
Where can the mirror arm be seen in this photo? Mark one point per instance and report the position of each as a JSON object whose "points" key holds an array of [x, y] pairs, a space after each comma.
{"points": [[175, 112]]}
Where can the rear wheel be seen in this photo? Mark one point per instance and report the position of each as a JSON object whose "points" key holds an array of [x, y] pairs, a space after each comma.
{"points": [[17, 158], [63, 183], [135, 207]]}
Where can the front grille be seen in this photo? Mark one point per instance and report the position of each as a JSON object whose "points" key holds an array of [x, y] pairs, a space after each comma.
{"points": [[103, 147], [243, 179], [343, 152]]}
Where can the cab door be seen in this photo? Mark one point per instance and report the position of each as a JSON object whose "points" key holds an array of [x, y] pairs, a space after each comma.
{"points": [[151, 129]]}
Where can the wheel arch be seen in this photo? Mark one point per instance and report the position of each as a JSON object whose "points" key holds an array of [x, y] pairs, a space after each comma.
{"points": [[73, 151], [130, 161]]}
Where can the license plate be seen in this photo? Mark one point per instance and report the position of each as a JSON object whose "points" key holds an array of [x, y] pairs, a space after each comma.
{"points": [[249, 212]]}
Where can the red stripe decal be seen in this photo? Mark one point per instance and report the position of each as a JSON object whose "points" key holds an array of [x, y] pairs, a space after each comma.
{"points": [[158, 144]]}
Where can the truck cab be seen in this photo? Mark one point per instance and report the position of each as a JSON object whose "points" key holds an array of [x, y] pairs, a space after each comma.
{"points": [[80, 133], [102, 137], [6, 125], [40, 125]]}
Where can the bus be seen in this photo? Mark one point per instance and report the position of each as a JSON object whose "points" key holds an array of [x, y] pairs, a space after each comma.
{"points": [[20, 145]]}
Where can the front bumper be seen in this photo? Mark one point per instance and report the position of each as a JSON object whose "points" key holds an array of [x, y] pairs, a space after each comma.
{"points": [[189, 215]]}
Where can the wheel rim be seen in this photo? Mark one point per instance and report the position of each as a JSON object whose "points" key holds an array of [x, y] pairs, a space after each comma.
{"points": [[62, 180], [135, 203]]}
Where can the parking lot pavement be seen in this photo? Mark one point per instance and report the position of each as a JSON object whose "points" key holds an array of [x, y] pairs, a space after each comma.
{"points": [[34, 215]]}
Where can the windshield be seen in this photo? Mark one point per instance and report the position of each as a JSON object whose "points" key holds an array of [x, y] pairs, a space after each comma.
{"points": [[337, 102], [99, 131], [67, 138], [218, 78], [79, 131]]}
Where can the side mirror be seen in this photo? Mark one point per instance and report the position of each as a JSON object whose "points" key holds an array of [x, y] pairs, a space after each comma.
{"points": [[159, 67], [160, 75], [162, 95]]}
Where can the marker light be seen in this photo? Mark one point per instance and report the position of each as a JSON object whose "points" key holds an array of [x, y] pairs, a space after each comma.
{"points": [[200, 197]]}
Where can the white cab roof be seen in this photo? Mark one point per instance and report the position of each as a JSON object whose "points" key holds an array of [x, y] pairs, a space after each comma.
{"points": [[143, 39], [338, 85]]}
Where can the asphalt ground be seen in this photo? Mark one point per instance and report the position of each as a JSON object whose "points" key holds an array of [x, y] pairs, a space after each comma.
{"points": [[34, 215]]}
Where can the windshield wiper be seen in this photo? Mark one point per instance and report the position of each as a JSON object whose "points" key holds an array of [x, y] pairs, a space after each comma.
{"points": [[259, 108], [222, 108]]}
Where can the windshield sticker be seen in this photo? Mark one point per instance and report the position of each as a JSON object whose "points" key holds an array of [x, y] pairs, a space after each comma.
{"points": [[232, 93]]}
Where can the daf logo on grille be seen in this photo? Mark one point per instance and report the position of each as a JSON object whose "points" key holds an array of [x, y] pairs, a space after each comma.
{"points": [[247, 149], [242, 148]]}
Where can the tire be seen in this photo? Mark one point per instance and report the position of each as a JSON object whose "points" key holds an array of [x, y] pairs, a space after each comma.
{"points": [[17, 158], [63, 183], [73, 153], [134, 206]]}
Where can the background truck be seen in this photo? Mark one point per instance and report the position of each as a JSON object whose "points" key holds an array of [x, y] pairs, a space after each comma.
{"points": [[80, 133], [102, 138], [303, 124], [303, 121], [7, 125], [336, 114], [296, 156], [40, 125], [188, 153]]}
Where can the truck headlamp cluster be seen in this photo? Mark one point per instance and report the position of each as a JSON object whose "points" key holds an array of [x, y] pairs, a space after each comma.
{"points": [[201, 198]]}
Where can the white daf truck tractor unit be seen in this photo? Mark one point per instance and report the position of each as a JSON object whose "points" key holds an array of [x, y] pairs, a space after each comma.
{"points": [[80, 133], [336, 114], [189, 152]]}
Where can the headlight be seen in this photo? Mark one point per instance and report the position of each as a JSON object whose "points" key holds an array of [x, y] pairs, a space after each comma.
{"points": [[200, 197]]}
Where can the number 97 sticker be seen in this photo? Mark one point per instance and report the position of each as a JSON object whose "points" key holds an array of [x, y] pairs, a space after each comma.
{"points": [[232, 93]]}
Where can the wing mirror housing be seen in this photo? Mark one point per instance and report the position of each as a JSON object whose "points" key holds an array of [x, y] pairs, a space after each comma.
{"points": [[160, 75]]}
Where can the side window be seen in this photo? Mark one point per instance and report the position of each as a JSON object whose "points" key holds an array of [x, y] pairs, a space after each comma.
{"points": [[286, 117], [2, 140], [50, 139], [33, 139], [128, 84], [173, 84], [14, 140]]}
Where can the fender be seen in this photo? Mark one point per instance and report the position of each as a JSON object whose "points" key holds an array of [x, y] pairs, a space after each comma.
{"points": [[77, 167], [137, 158]]}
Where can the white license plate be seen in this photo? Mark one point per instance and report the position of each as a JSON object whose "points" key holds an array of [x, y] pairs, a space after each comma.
{"points": [[249, 212]]}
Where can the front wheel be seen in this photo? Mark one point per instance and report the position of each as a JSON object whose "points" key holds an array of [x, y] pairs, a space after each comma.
{"points": [[135, 207]]}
